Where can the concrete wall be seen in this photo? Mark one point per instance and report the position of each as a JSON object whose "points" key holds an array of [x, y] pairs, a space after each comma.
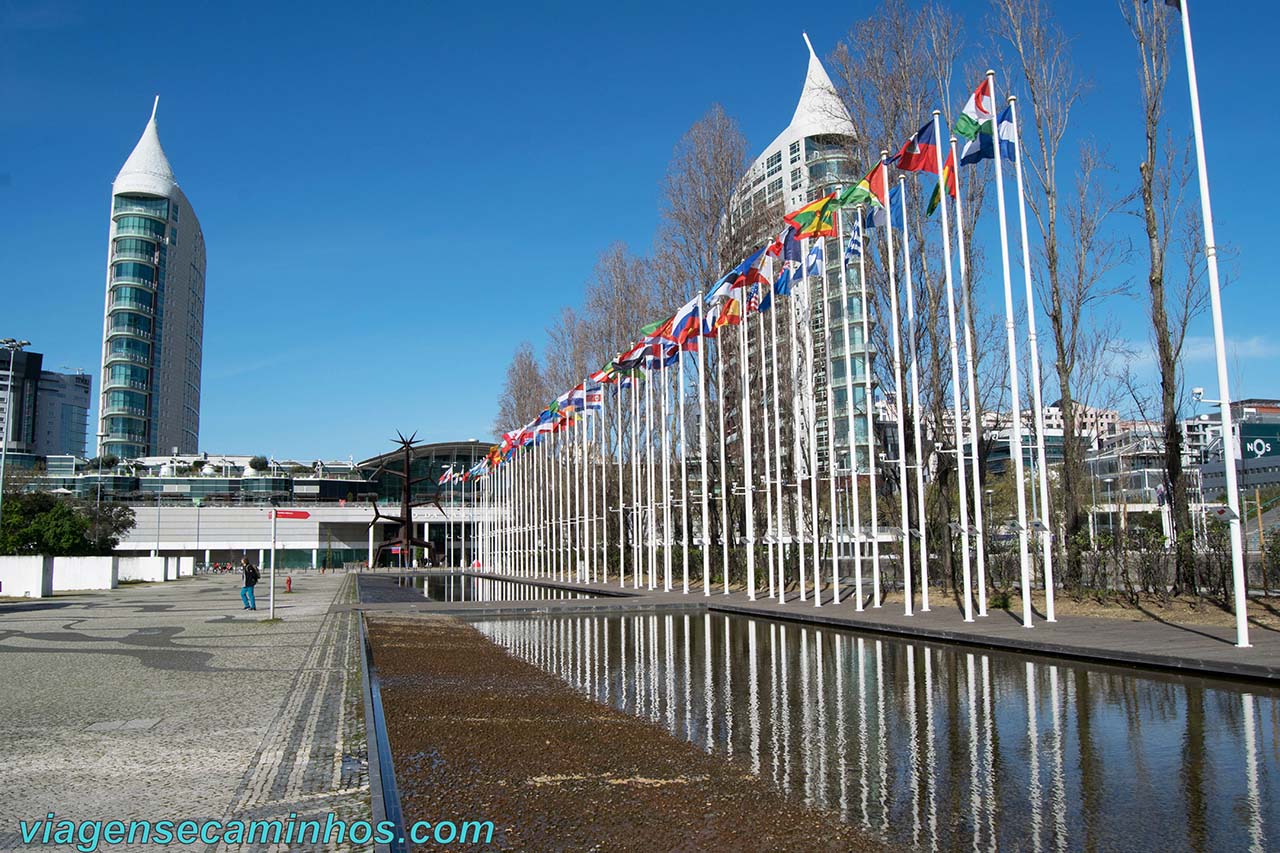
{"points": [[26, 577], [186, 566], [142, 568], [85, 572]]}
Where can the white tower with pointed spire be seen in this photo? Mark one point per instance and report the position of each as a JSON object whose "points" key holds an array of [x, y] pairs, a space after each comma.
{"points": [[807, 160], [153, 331]]}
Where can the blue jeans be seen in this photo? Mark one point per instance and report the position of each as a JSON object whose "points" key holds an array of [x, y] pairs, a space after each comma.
{"points": [[246, 595]]}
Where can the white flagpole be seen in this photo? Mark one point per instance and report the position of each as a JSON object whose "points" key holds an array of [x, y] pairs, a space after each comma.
{"points": [[1015, 412], [915, 398], [811, 413], [1219, 341], [777, 445], [665, 443], [898, 399], [702, 451], [724, 469], [622, 494], [1046, 535], [957, 413], [764, 415], [748, 481], [684, 473], [970, 368], [587, 491], [797, 419], [650, 488], [873, 493], [831, 426], [604, 485], [636, 568], [848, 391]]}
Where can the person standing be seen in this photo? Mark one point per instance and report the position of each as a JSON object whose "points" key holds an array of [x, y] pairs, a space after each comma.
{"points": [[250, 579]]}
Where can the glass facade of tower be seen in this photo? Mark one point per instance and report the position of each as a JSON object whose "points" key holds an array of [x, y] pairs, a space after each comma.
{"points": [[135, 313]]}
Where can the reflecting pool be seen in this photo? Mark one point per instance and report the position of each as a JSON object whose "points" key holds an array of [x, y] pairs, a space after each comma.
{"points": [[455, 588], [940, 747]]}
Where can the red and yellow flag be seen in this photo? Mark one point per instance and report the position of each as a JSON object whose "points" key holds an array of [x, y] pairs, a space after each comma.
{"points": [[815, 219]]}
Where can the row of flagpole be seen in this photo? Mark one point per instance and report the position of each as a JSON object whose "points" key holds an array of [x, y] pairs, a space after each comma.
{"points": [[547, 521]]}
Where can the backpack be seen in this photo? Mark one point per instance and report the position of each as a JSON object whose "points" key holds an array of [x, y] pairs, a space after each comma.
{"points": [[253, 575]]}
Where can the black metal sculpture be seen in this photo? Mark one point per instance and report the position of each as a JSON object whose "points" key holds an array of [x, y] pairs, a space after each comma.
{"points": [[405, 539]]}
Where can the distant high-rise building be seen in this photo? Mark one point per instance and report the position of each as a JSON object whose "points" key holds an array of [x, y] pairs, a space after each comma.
{"points": [[153, 333], [19, 388], [62, 413], [810, 158]]}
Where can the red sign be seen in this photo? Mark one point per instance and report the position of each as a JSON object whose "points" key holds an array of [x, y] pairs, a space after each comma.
{"points": [[292, 513]]}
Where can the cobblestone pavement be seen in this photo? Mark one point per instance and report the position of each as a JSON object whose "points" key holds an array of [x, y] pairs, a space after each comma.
{"points": [[169, 701]]}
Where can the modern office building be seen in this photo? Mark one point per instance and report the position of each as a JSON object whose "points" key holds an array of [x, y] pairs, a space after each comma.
{"points": [[810, 158], [19, 389], [62, 413], [153, 332]]}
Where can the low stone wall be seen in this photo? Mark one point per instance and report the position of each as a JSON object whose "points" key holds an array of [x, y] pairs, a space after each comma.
{"points": [[85, 573], [186, 566], [142, 569], [26, 577]]}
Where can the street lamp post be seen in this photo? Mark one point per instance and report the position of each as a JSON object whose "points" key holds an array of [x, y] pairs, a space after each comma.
{"points": [[97, 518], [14, 347], [1111, 522]]}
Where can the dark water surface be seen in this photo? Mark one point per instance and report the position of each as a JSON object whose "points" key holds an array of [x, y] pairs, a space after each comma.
{"points": [[454, 588], [940, 747]]}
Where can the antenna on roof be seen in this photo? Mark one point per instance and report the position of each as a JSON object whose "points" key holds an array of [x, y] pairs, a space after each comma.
{"points": [[806, 41], [155, 106]]}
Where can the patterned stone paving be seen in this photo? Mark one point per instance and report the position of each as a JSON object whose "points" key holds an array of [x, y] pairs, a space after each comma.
{"points": [[168, 701]]}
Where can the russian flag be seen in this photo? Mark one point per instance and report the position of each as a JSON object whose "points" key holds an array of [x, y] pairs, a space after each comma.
{"points": [[685, 323]]}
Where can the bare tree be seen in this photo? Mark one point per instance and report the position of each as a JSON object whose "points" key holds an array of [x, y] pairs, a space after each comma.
{"points": [[698, 239], [524, 393], [566, 361], [1162, 179]]}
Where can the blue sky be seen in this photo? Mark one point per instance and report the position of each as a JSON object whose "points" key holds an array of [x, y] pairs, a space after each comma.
{"points": [[425, 185]]}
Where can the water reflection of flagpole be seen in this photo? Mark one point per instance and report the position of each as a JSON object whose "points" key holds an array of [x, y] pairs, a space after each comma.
{"points": [[655, 695], [688, 683], [806, 717], [1033, 751], [1059, 781], [862, 732], [930, 756], [784, 701], [753, 700], [671, 673], [990, 750], [728, 691], [913, 747], [773, 704], [1259, 841], [883, 746], [706, 687], [842, 736], [822, 721], [975, 795]]}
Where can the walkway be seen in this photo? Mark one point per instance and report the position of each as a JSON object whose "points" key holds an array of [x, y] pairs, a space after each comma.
{"points": [[1202, 650], [169, 701]]}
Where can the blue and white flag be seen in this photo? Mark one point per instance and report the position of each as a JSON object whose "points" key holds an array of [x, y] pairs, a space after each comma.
{"points": [[813, 263], [982, 148]]}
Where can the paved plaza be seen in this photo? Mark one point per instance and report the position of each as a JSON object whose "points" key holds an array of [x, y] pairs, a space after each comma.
{"points": [[169, 701]]}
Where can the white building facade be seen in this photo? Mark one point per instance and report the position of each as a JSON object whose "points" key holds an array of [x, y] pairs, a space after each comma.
{"points": [[153, 330]]}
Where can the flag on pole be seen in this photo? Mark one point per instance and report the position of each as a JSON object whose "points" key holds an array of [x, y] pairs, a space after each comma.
{"points": [[869, 190], [977, 114], [815, 219], [893, 211], [606, 374], [813, 264], [981, 147], [748, 272], [853, 249], [949, 177], [445, 477], [789, 254], [730, 313], [684, 324], [920, 152]]}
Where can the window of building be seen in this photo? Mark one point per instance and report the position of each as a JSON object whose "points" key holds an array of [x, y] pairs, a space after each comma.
{"points": [[795, 177], [140, 225], [795, 151], [775, 188], [774, 163], [130, 271], [158, 207]]}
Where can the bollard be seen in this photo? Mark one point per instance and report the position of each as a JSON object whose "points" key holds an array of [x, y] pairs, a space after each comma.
{"points": [[288, 583]]}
